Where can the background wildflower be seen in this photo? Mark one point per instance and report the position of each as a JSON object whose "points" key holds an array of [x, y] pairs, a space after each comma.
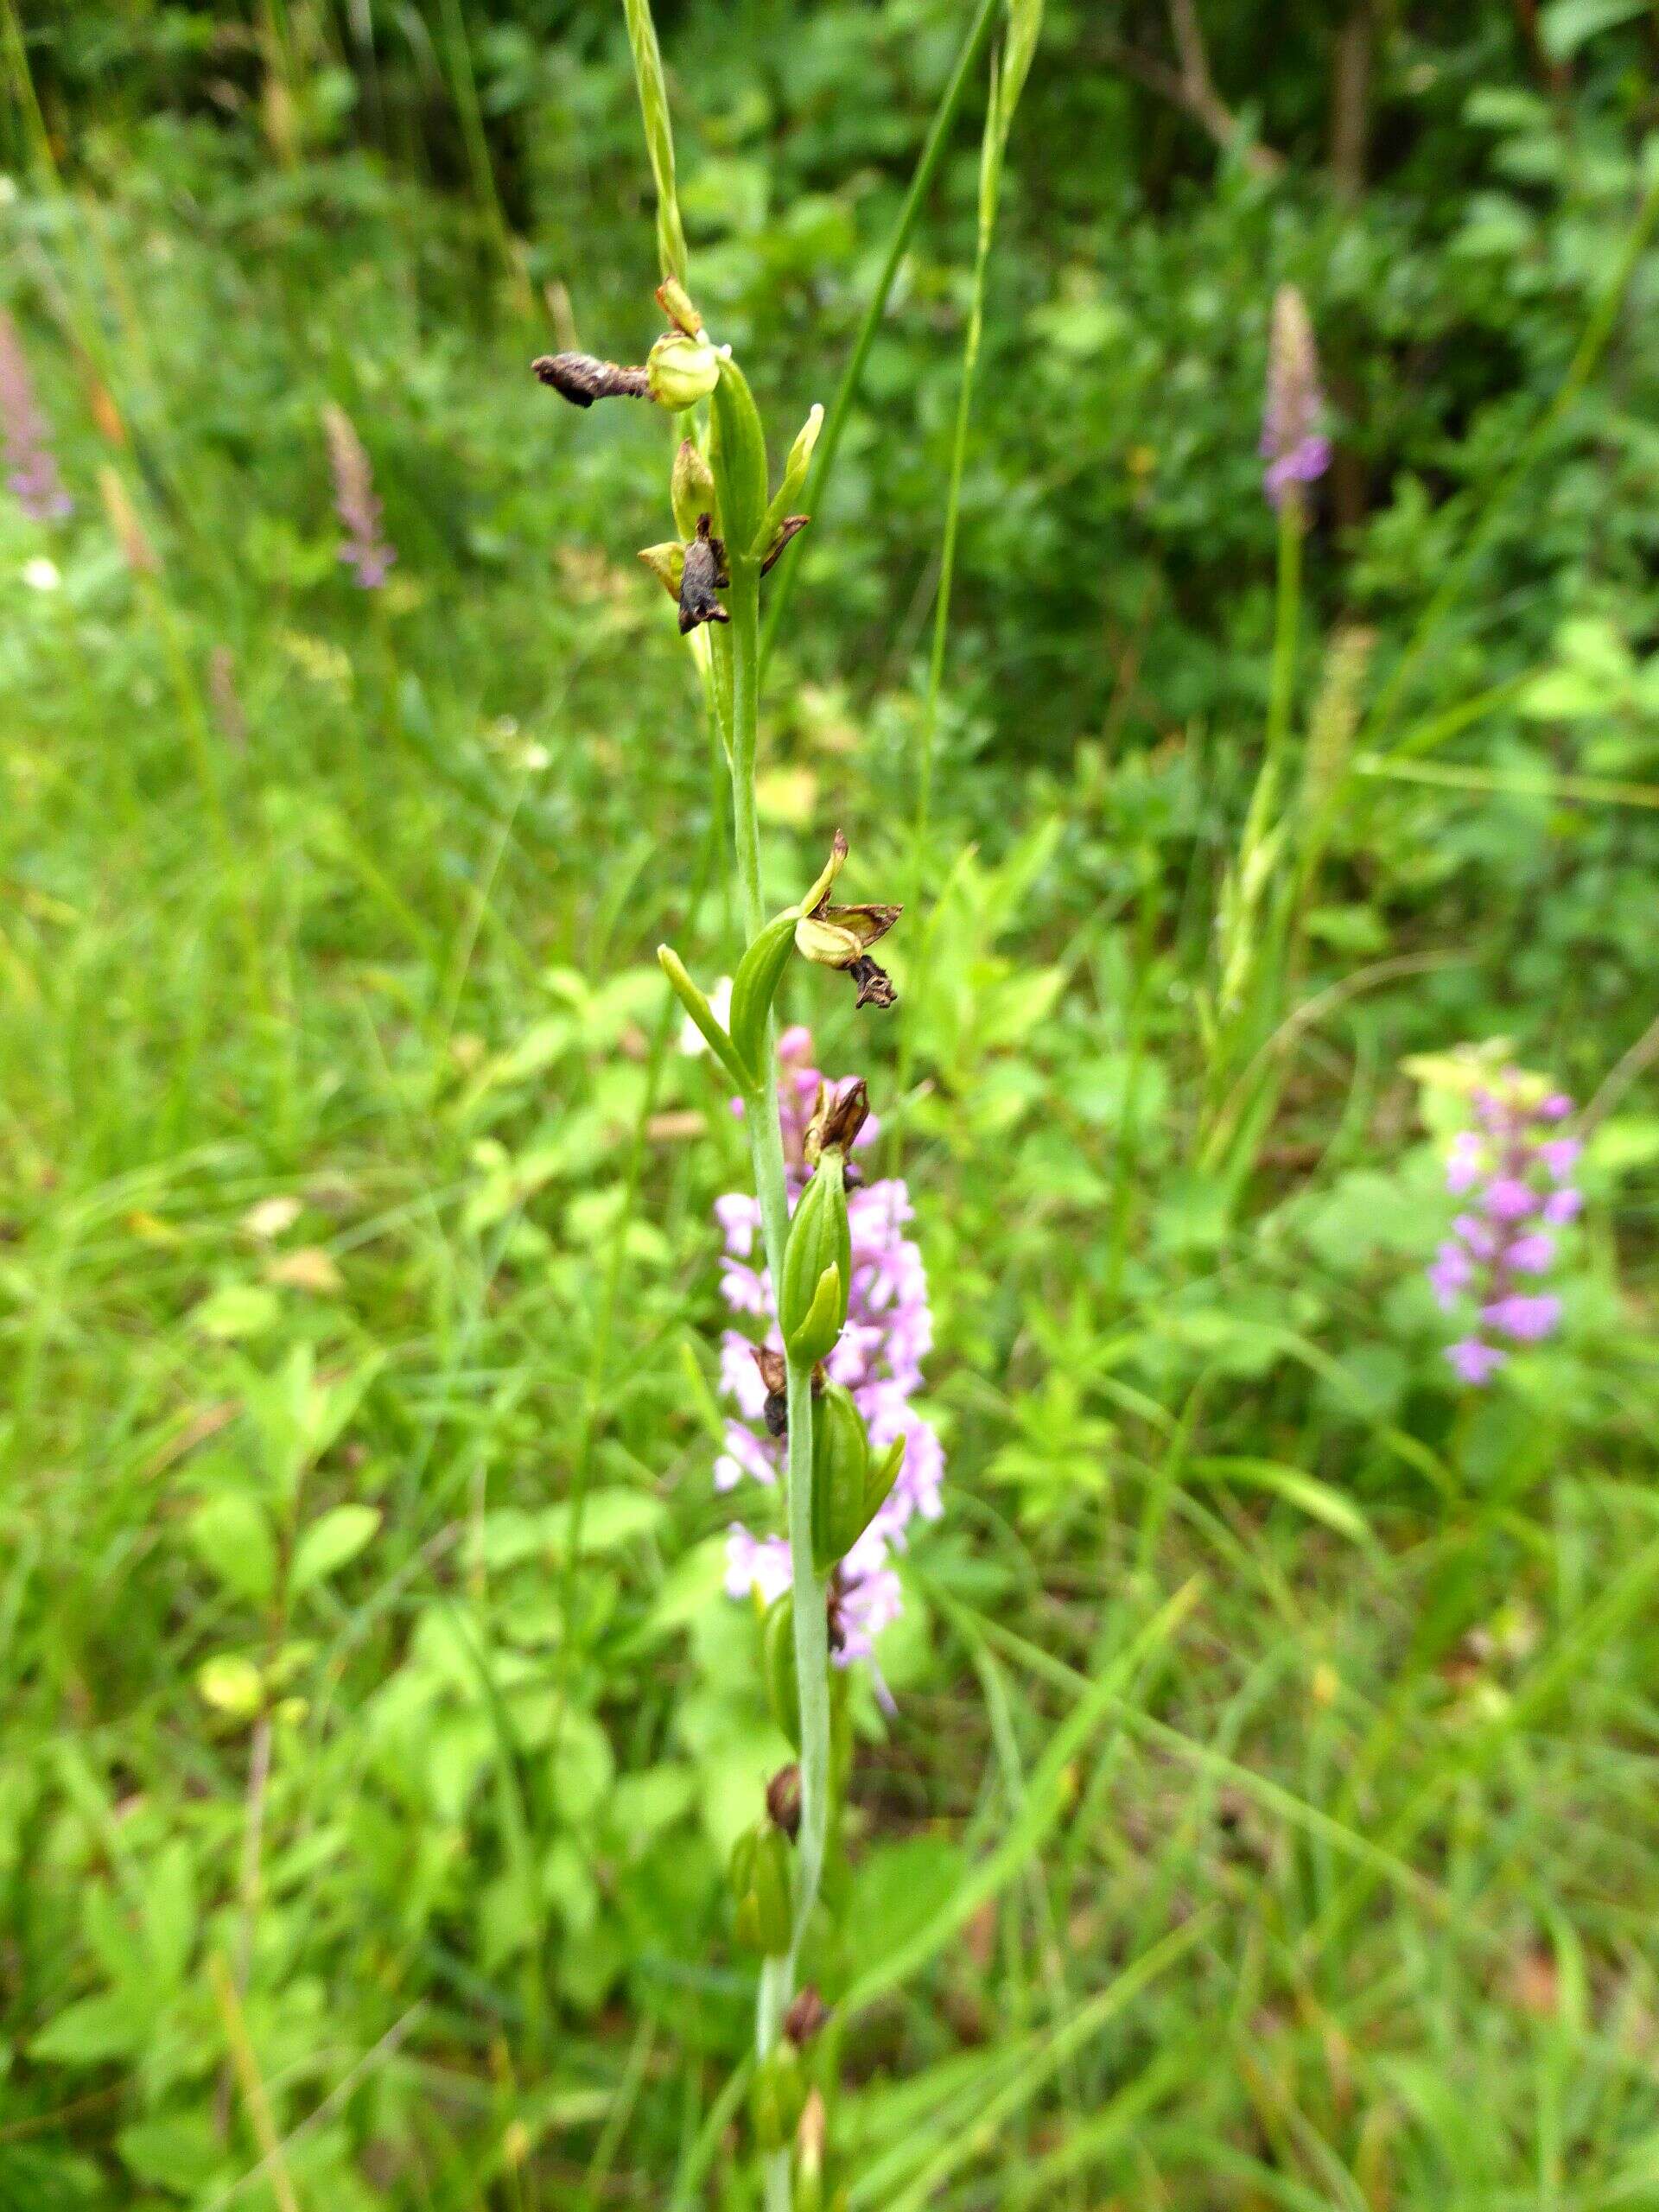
{"points": [[366, 552], [31, 469], [1518, 1179], [879, 1358], [1293, 444]]}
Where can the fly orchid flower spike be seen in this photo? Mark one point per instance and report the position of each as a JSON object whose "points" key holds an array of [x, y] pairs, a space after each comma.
{"points": [[841, 936]]}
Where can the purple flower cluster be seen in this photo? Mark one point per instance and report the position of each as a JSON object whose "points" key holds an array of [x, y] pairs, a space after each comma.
{"points": [[1294, 445], [31, 471], [1514, 1169], [366, 552], [879, 1358]]}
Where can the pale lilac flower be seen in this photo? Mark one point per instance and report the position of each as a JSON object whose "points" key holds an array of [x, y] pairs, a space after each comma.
{"points": [[1508, 1199], [1450, 1274], [1463, 1162], [1525, 1318], [1529, 1255], [879, 1358], [1508, 1164], [366, 552], [1475, 1362], [31, 469], [1293, 442]]}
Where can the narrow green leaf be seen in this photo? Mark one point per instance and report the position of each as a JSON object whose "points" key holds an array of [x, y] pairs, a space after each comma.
{"points": [[703, 1015]]}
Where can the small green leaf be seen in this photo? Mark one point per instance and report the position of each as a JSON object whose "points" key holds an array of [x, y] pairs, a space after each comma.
{"points": [[231, 1684], [328, 1544], [240, 1309]]}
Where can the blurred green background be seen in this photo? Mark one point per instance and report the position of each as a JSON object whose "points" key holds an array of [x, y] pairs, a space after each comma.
{"points": [[1286, 1713]]}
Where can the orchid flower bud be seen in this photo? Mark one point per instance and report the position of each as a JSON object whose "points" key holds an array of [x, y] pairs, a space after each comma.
{"points": [[800, 457], [777, 2096], [808, 2175], [581, 380], [777, 1666], [841, 936], [691, 488], [760, 1883], [681, 371], [775, 534]]}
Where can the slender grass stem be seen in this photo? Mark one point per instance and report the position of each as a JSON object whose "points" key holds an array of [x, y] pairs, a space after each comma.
{"points": [[933, 153]]}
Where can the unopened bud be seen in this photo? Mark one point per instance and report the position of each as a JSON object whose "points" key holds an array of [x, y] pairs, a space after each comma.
{"points": [[784, 1799], [805, 2017], [800, 455], [581, 380], [760, 1884], [704, 573], [691, 488], [810, 2134], [682, 370], [776, 2095], [676, 304]]}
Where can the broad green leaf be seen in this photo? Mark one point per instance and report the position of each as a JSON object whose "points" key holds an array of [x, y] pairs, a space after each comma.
{"points": [[1565, 25], [118, 2024]]}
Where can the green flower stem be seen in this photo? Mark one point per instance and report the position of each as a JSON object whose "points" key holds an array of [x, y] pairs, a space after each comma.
{"points": [[1286, 625], [767, 1149]]}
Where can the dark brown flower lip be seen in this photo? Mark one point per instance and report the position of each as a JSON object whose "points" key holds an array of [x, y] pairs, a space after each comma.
{"points": [[874, 984], [705, 573], [581, 378], [784, 1799]]}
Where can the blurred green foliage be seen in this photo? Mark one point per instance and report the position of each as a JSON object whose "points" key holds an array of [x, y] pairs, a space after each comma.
{"points": [[354, 1830]]}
